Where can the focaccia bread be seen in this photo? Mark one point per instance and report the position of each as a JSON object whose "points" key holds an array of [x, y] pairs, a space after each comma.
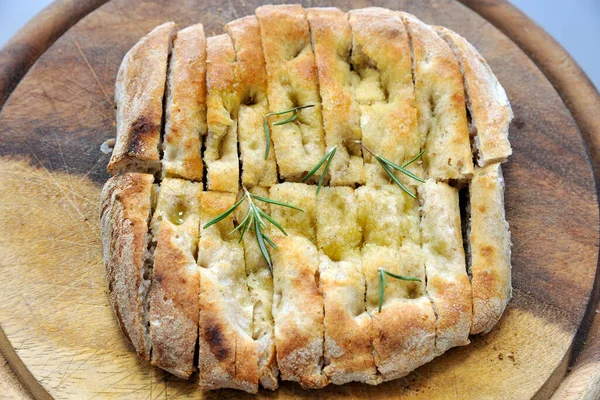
{"points": [[320, 201]]}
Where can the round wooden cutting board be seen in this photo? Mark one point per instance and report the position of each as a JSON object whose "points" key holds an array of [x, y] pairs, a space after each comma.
{"points": [[61, 337]]}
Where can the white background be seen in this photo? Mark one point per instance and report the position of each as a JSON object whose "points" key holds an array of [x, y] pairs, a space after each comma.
{"points": [[574, 23]]}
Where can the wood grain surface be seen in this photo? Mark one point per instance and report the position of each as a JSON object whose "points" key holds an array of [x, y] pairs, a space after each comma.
{"points": [[55, 310]]}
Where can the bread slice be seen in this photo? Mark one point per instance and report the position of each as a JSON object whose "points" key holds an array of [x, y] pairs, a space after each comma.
{"points": [[185, 114], [404, 330], [223, 100], [126, 206], [348, 327], [175, 289], [381, 57], [489, 244], [448, 284], [486, 101], [139, 94], [440, 97], [332, 43], [228, 356], [297, 301], [260, 287], [292, 82], [252, 78]]}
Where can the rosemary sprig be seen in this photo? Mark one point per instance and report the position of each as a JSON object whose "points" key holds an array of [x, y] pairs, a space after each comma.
{"points": [[291, 119], [383, 282], [255, 222], [388, 166], [327, 157]]}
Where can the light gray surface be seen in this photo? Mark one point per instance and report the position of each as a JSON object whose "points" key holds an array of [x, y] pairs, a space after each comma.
{"points": [[574, 23]]}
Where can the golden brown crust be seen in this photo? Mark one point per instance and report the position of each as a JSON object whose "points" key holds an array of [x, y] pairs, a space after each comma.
{"points": [[125, 212], [292, 82], [490, 248], [448, 284], [381, 56], [228, 356], [223, 100], [185, 114], [298, 311], [252, 78], [440, 98], [139, 94], [174, 293], [486, 100], [332, 42]]}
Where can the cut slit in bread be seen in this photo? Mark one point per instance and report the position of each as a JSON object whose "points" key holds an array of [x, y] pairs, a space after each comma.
{"points": [[332, 43], [404, 330], [174, 292], [185, 109], [228, 356], [440, 99], [252, 78], [297, 301], [448, 284], [139, 92], [292, 82], [348, 354], [383, 88], [223, 100], [486, 101], [126, 209]]}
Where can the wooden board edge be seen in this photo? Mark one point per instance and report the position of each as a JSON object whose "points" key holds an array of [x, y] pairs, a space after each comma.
{"points": [[35, 37], [583, 101]]}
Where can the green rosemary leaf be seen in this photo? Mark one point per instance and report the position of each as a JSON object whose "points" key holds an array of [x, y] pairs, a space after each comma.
{"points": [[383, 282], [333, 149], [287, 121], [224, 215], [414, 159], [396, 180], [327, 157], [295, 109], [401, 277], [267, 136], [262, 245], [268, 240], [271, 201], [399, 168], [245, 228], [381, 287], [257, 216], [244, 221], [271, 220]]}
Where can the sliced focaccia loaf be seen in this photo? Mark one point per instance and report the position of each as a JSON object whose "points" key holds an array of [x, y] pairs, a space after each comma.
{"points": [[175, 286], [332, 44], [223, 101], [348, 354], [383, 89], [404, 327], [292, 82], [139, 94], [440, 100], [126, 206], [448, 284], [185, 113], [489, 245], [297, 300], [228, 356], [486, 101], [258, 167]]}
